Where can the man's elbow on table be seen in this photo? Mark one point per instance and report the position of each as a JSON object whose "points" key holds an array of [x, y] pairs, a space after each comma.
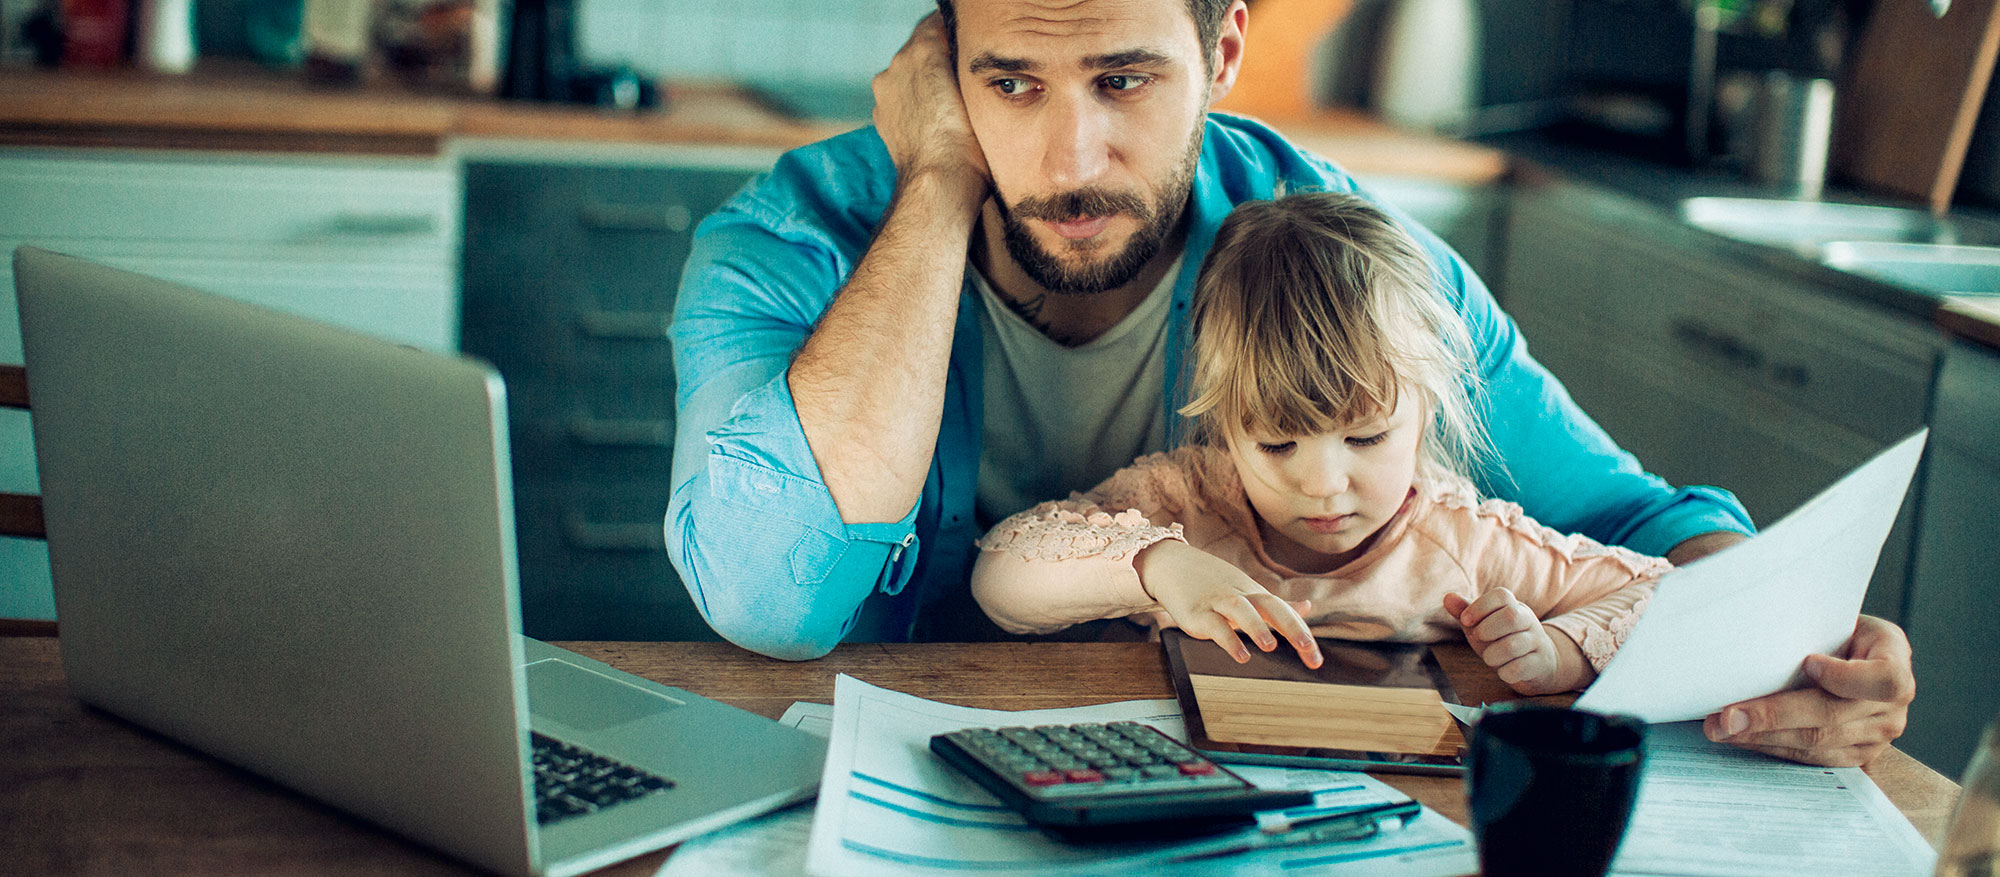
{"points": [[764, 584]]}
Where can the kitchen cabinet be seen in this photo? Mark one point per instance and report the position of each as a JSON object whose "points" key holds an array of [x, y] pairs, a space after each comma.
{"points": [[366, 242], [1955, 581], [569, 278], [1713, 369]]}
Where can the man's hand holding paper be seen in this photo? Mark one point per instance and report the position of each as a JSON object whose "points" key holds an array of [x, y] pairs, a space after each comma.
{"points": [[1771, 615], [1859, 706]]}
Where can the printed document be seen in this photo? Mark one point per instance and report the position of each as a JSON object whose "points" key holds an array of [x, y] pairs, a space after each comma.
{"points": [[888, 806], [1713, 810], [1739, 624]]}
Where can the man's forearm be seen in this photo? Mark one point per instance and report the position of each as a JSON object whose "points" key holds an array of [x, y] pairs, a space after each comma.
{"points": [[869, 383], [1697, 547]]}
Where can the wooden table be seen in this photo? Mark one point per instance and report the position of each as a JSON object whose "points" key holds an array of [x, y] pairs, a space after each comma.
{"points": [[85, 792]]}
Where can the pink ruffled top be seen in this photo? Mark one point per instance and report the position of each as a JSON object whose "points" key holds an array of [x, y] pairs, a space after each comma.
{"points": [[1063, 563]]}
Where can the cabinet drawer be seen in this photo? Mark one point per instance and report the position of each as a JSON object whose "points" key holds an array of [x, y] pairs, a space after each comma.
{"points": [[573, 268], [1868, 374], [579, 239], [1871, 379], [594, 565], [569, 277], [393, 207], [600, 431], [546, 339], [1745, 331]]}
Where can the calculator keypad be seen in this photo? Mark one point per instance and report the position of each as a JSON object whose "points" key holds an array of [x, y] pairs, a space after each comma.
{"points": [[1064, 761]]}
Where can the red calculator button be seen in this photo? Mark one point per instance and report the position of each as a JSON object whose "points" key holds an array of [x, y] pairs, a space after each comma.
{"points": [[1041, 778], [1083, 776], [1197, 769]]}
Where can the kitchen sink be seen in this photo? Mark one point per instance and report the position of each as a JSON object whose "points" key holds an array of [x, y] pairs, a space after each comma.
{"points": [[1807, 225], [1947, 269]]}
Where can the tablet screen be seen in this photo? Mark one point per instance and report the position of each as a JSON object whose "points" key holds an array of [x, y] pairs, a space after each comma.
{"points": [[1371, 706]]}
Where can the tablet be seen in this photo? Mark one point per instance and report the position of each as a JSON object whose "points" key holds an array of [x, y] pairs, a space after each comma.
{"points": [[1372, 706]]}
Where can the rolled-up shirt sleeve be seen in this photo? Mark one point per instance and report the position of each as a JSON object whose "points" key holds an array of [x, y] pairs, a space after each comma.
{"points": [[751, 527]]}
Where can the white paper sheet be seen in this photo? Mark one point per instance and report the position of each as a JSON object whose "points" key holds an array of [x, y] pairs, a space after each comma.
{"points": [[1714, 810], [888, 806], [1738, 624], [1466, 715]]}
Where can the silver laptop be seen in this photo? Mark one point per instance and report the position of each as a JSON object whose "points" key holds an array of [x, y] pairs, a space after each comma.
{"points": [[292, 546]]}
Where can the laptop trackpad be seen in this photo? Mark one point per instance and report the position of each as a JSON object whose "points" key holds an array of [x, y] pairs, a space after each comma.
{"points": [[587, 700]]}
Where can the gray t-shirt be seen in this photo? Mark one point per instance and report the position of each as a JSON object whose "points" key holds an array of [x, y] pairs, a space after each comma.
{"points": [[1060, 418]]}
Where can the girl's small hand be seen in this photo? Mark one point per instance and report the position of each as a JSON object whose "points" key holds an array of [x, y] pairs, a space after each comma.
{"points": [[1211, 599], [1510, 639]]}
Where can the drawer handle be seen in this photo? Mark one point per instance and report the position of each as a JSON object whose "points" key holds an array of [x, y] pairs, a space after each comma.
{"points": [[671, 218], [624, 433], [1718, 344], [1791, 375], [624, 536], [625, 325], [383, 224]]}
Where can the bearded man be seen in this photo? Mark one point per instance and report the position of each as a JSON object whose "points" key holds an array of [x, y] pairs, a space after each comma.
{"points": [[905, 333]]}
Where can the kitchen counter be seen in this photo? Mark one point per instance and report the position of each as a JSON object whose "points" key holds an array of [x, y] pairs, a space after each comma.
{"points": [[226, 106], [1363, 144], [1975, 319], [236, 106], [1660, 188]]}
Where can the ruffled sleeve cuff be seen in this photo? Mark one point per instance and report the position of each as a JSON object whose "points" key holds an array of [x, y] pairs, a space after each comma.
{"points": [[1600, 641], [1069, 530]]}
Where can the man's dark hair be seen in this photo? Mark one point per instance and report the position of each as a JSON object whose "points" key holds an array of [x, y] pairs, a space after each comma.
{"points": [[1207, 24]]}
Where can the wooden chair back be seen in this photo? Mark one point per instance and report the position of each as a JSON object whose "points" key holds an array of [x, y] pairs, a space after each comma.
{"points": [[20, 514]]}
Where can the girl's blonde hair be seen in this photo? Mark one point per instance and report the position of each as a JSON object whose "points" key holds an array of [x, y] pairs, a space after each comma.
{"points": [[1311, 313]]}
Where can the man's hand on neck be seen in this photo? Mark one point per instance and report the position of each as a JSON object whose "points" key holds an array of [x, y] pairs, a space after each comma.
{"points": [[869, 383]]}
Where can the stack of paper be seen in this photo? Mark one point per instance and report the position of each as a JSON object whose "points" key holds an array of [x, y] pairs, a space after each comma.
{"points": [[888, 806]]}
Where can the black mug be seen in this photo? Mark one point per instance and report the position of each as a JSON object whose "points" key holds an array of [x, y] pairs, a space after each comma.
{"points": [[1551, 789]]}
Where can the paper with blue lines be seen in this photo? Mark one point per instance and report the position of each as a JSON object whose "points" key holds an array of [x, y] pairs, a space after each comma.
{"points": [[888, 806]]}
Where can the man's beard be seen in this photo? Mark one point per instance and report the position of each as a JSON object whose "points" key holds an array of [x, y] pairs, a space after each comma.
{"points": [[1156, 221]]}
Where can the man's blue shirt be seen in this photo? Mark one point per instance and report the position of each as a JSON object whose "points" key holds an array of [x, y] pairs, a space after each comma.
{"points": [[755, 534]]}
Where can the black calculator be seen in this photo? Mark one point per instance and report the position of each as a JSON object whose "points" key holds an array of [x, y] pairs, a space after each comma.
{"points": [[1118, 780]]}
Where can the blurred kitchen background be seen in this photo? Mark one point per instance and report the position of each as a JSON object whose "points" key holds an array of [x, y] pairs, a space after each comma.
{"points": [[1759, 240], [1689, 81]]}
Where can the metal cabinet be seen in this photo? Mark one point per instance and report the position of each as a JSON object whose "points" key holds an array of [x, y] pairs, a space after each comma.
{"points": [[1954, 582], [569, 279], [1714, 370]]}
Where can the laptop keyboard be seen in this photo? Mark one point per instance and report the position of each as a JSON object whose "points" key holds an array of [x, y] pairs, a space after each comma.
{"points": [[572, 781]]}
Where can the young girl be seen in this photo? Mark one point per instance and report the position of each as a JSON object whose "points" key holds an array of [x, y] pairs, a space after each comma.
{"points": [[1324, 490]]}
